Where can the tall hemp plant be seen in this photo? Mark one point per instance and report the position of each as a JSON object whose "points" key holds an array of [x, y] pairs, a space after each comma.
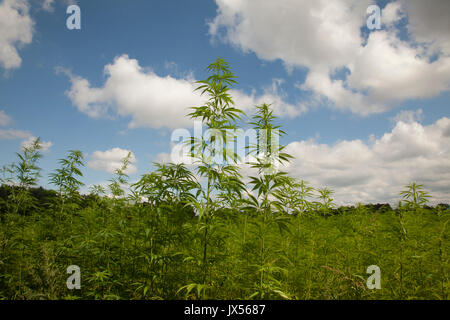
{"points": [[176, 183], [212, 153], [292, 196], [414, 196], [326, 204], [268, 155], [170, 184], [26, 173], [65, 178], [120, 178]]}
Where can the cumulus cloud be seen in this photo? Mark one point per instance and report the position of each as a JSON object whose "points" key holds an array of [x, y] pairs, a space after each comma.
{"points": [[379, 170], [272, 94], [392, 13], [163, 158], [152, 100], [324, 36], [299, 32], [11, 134], [111, 160], [391, 70], [429, 23], [409, 116], [4, 119], [16, 31]]}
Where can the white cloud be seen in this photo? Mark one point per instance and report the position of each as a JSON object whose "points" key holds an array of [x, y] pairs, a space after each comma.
{"points": [[391, 70], [429, 23], [11, 134], [299, 32], [334, 93], [379, 170], [155, 101], [150, 100], [45, 145], [392, 13], [409, 116], [271, 95], [26, 137], [163, 158], [111, 160], [4, 119], [16, 30], [325, 37]]}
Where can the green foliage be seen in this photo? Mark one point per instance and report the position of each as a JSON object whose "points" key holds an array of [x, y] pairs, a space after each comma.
{"points": [[120, 179], [171, 236], [414, 196], [326, 203], [65, 178], [215, 160], [140, 252], [27, 171], [292, 196], [24, 174]]}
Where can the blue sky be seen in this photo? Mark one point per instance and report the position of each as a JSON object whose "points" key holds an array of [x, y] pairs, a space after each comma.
{"points": [[394, 98]]}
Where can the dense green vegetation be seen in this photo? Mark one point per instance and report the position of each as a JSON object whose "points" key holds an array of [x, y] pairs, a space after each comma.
{"points": [[168, 236]]}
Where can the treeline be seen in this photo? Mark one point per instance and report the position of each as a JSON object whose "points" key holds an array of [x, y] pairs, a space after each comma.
{"points": [[46, 199]]}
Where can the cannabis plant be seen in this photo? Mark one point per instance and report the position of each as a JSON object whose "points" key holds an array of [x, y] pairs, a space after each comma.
{"points": [[120, 178], [65, 178], [414, 196], [212, 152], [26, 173], [292, 196], [268, 155], [326, 204]]}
